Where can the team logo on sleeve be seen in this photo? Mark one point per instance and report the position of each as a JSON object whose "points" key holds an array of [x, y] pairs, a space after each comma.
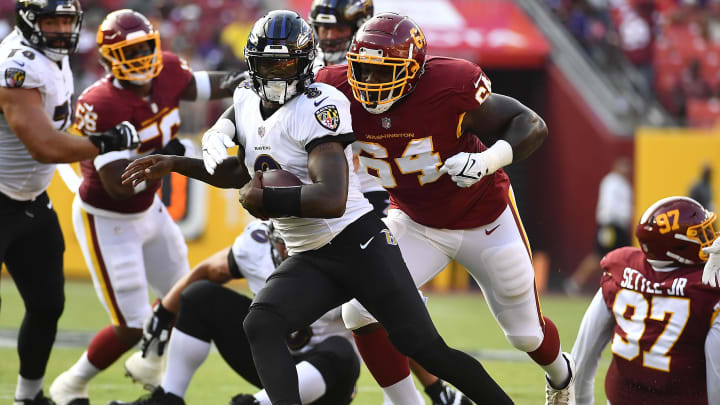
{"points": [[328, 117], [14, 77], [312, 92]]}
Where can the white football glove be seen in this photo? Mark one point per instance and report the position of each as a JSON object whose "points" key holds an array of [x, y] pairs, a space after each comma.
{"points": [[465, 169], [711, 272], [214, 148]]}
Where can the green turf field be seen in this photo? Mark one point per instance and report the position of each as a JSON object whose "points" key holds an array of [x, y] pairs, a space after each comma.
{"points": [[463, 320]]}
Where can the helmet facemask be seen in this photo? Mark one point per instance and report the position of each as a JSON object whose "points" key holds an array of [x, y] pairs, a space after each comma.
{"points": [[137, 60], [278, 78], [333, 49], [389, 78], [55, 45], [704, 234]]}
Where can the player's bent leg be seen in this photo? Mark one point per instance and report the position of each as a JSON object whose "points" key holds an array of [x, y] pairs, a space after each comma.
{"points": [[505, 274], [210, 312], [166, 253], [296, 294], [412, 332]]}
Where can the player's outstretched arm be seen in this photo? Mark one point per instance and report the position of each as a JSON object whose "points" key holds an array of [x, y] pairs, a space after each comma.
{"points": [[230, 173], [595, 332], [512, 130], [24, 112], [214, 268], [501, 117]]}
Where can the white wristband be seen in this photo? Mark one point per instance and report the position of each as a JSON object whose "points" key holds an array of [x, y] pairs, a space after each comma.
{"points": [[202, 84], [498, 155], [142, 186]]}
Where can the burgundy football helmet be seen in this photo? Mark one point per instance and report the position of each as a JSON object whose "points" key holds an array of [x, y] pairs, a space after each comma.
{"points": [[130, 46], [395, 42], [674, 230]]}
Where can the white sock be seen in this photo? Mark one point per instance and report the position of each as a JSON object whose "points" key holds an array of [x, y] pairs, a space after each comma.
{"points": [[558, 372], [27, 389], [311, 382], [262, 398], [404, 392], [83, 369], [185, 355]]}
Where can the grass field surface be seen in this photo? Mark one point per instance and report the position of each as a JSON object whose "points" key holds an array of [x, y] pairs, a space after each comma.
{"points": [[462, 319]]}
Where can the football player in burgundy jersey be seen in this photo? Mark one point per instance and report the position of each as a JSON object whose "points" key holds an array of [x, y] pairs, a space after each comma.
{"points": [[335, 22], [128, 239], [661, 321], [338, 248], [422, 124]]}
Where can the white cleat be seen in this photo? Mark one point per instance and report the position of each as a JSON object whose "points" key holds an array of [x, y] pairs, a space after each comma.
{"points": [[563, 396], [69, 389], [145, 370]]}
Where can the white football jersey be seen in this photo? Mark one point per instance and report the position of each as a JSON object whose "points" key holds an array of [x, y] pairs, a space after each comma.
{"points": [[280, 143], [21, 66], [251, 252]]}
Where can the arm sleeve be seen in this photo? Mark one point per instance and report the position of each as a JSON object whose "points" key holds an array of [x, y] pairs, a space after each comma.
{"points": [[594, 334], [712, 362]]}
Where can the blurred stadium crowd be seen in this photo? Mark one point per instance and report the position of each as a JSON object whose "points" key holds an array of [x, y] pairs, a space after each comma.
{"points": [[675, 44]]}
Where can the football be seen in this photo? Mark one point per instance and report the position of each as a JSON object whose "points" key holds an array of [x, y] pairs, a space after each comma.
{"points": [[280, 178]]}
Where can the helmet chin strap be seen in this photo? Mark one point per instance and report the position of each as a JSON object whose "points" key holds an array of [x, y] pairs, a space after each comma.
{"points": [[277, 91], [378, 108], [54, 56]]}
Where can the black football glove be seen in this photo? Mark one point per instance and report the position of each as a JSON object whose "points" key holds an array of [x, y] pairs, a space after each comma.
{"points": [[174, 147], [157, 329], [231, 80], [122, 136]]}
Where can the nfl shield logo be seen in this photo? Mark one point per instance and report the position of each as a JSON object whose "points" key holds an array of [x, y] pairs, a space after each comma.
{"points": [[385, 122], [261, 131]]}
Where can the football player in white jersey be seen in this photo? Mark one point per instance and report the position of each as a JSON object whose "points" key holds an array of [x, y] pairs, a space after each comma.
{"points": [[36, 87], [325, 357], [338, 248]]}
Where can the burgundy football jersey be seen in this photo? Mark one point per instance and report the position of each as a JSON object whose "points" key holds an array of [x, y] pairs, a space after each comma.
{"points": [[157, 120], [661, 321], [405, 146]]}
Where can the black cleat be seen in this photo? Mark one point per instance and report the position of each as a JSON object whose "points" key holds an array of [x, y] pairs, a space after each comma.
{"points": [[157, 397], [244, 399], [443, 394], [40, 399]]}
